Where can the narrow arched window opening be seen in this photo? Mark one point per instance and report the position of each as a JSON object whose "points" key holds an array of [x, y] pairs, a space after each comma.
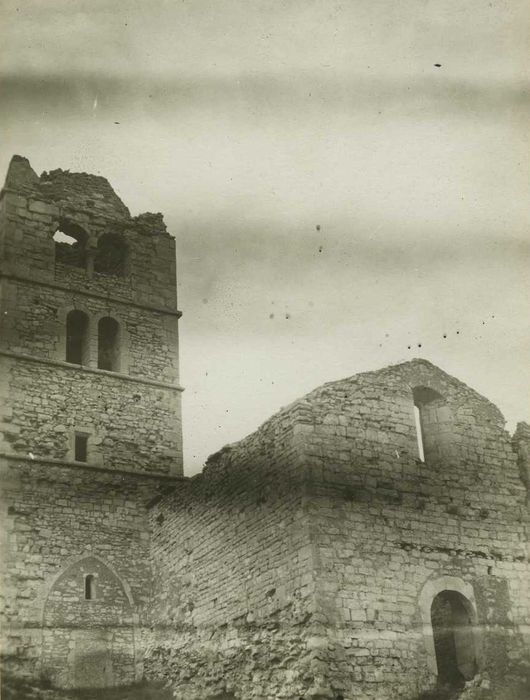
{"points": [[431, 419], [81, 447], [77, 337], [419, 434], [111, 255], [109, 344], [70, 244], [90, 587]]}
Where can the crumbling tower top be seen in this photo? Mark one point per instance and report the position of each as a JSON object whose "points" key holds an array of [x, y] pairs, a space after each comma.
{"points": [[110, 250], [89, 309]]}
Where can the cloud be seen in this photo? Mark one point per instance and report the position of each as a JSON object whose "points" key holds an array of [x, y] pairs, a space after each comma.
{"points": [[267, 97], [162, 37], [249, 124], [233, 275]]}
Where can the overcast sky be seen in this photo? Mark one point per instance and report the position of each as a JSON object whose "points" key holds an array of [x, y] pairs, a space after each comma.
{"points": [[338, 198]]}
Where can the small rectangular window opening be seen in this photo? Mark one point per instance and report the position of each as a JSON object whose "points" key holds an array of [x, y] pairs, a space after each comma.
{"points": [[419, 435], [90, 587], [81, 447]]}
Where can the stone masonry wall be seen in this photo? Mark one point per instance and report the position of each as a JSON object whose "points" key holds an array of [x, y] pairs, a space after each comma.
{"points": [[305, 559], [521, 445], [131, 425], [385, 532], [66, 518], [34, 208], [35, 324], [58, 525], [388, 526], [89, 640], [232, 564]]}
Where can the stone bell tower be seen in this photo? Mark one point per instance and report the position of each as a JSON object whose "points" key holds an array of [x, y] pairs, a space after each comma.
{"points": [[90, 421], [88, 334]]}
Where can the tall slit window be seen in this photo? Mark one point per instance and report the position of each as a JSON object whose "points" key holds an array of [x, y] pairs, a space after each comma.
{"points": [[77, 337], [90, 587], [432, 418], [109, 344], [419, 434], [81, 447]]}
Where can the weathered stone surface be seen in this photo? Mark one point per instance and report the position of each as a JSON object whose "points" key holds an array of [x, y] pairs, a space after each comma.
{"points": [[133, 414], [330, 554], [62, 519], [378, 531]]}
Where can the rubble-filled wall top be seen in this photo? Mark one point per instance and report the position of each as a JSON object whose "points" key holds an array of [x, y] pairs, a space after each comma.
{"points": [[369, 419], [384, 385], [72, 229], [77, 193]]}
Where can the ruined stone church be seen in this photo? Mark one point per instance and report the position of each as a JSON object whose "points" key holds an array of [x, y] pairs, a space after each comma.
{"points": [[367, 541]]}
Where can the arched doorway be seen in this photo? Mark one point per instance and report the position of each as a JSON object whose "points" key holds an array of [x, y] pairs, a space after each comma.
{"points": [[454, 643], [448, 603]]}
